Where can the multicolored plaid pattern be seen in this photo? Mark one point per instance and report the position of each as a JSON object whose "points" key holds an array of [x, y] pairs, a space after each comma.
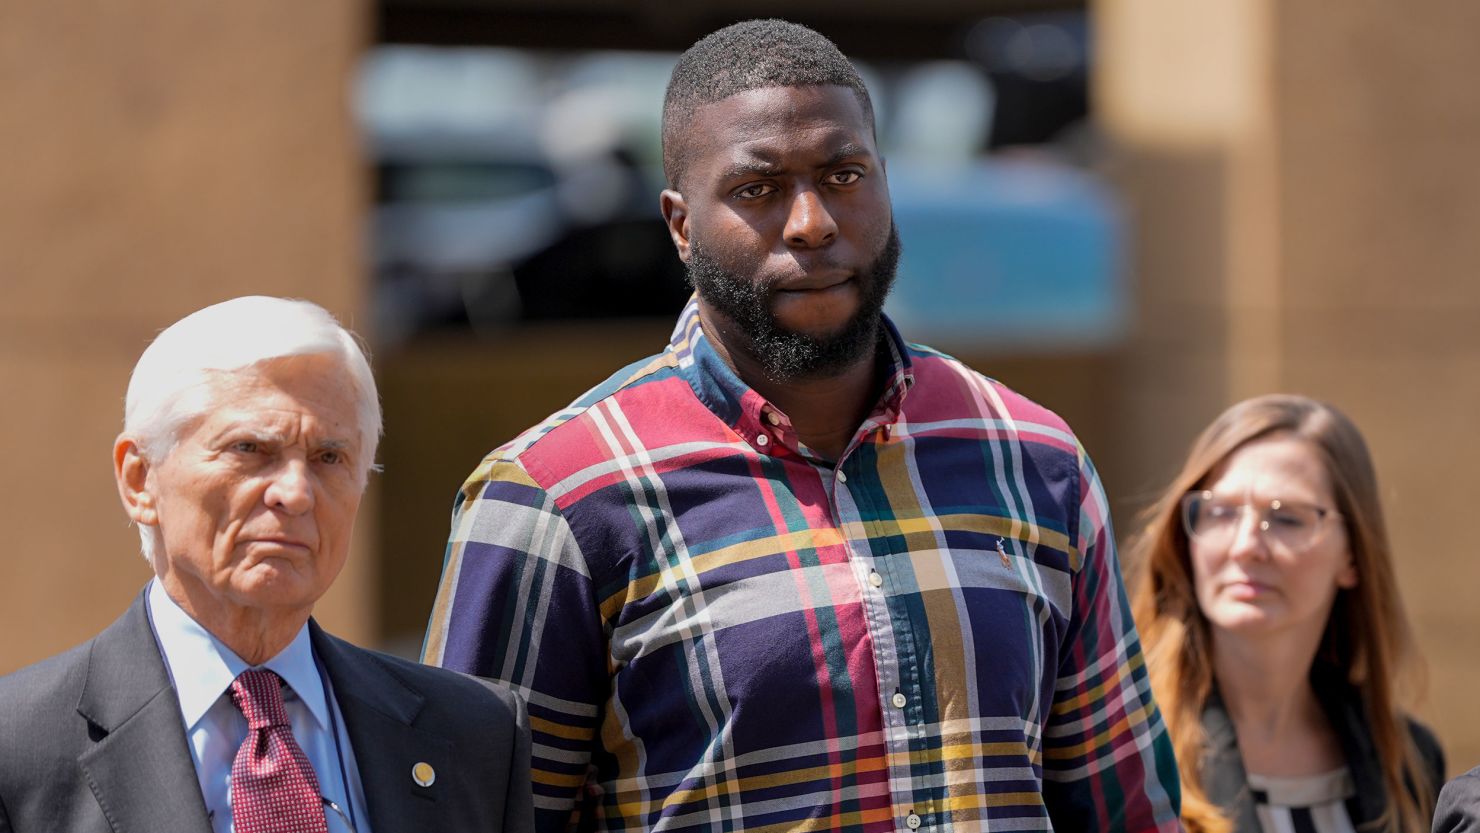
{"points": [[716, 629]]}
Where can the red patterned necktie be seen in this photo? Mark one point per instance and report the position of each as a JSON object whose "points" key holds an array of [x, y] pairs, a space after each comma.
{"points": [[273, 788]]}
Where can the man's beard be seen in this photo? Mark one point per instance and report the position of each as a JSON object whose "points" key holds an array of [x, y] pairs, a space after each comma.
{"points": [[785, 355]]}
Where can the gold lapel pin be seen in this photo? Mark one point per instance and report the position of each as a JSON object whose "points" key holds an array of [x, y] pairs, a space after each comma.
{"points": [[423, 774]]}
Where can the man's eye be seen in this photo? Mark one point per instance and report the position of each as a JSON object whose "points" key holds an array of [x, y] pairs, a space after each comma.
{"points": [[246, 446], [331, 457], [846, 177], [756, 191]]}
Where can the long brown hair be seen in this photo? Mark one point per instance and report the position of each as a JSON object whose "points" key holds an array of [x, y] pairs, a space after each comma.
{"points": [[1367, 635]]}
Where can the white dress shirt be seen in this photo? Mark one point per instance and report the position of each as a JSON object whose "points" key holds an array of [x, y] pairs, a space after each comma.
{"points": [[203, 669]]}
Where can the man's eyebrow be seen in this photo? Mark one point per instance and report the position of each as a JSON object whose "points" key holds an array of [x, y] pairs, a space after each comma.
{"points": [[766, 166], [244, 429], [846, 151], [750, 167]]}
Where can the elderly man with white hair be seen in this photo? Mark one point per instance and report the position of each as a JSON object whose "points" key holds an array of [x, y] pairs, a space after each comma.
{"points": [[216, 703]]}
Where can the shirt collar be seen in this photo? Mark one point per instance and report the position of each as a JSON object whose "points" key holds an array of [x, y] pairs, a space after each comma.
{"points": [[203, 667], [722, 391]]}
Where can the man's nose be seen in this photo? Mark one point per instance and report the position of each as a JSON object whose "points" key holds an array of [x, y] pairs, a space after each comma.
{"points": [[808, 224], [291, 488]]}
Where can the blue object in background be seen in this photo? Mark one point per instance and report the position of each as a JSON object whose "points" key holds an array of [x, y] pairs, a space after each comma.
{"points": [[1009, 256]]}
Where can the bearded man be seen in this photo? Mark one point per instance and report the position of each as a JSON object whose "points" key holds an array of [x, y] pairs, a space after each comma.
{"points": [[794, 572]]}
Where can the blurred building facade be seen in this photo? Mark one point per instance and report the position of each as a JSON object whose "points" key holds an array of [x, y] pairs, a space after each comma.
{"points": [[1302, 185], [159, 157], [1296, 182]]}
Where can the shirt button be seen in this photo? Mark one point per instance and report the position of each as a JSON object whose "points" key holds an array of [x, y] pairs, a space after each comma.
{"points": [[842, 478], [912, 821], [773, 418], [875, 579], [762, 439], [899, 701]]}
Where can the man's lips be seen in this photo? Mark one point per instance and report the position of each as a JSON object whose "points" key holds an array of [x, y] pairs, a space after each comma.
{"points": [[278, 541], [814, 282]]}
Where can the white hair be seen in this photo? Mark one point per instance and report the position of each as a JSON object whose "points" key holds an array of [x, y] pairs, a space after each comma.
{"points": [[170, 385]]}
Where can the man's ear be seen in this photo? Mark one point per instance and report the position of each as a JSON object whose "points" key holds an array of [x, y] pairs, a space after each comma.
{"points": [[131, 470], [676, 215]]}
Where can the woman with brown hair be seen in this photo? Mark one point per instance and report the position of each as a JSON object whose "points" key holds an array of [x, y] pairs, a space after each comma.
{"points": [[1274, 635]]}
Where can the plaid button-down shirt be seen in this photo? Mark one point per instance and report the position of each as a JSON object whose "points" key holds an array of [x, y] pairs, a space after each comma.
{"points": [[716, 629]]}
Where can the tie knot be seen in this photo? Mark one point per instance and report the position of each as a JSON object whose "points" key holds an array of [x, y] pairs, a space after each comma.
{"points": [[259, 696]]}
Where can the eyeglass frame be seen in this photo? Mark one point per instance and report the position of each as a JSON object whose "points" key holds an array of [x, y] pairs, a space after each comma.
{"points": [[1262, 527]]}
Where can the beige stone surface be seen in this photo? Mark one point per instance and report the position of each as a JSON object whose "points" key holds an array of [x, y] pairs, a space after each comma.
{"points": [[158, 157], [1330, 230], [1380, 199]]}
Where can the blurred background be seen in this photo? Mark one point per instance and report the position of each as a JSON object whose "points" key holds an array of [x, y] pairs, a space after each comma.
{"points": [[1135, 212]]}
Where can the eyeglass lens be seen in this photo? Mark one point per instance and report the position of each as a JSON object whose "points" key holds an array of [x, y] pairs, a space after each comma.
{"points": [[1292, 526]]}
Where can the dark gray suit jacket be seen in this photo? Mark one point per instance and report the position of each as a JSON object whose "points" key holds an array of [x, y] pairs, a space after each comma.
{"points": [[1458, 810], [92, 741], [1226, 782]]}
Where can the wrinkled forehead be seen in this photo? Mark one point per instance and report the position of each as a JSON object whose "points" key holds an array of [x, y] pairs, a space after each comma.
{"points": [[325, 372], [320, 384], [772, 121]]}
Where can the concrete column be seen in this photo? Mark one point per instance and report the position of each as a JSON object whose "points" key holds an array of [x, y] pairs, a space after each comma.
{"points": [[1306, 192], [158, 157], [1379, 198]]}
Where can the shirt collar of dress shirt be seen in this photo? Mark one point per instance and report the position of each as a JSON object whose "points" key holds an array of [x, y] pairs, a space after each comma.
{"points": [[722, 391], [203, 667]]}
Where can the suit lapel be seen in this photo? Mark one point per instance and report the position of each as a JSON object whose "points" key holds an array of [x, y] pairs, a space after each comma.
{"points": [[140, 768], [379, 710], [1224, 779], [1343, 706]]}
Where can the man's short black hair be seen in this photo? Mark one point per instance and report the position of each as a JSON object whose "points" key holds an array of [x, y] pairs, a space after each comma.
{"points": [[746, 56]]}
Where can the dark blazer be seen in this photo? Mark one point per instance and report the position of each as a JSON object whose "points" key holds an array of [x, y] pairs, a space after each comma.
{"points": [[1458, 810], [1227, 784], [92, 741]]}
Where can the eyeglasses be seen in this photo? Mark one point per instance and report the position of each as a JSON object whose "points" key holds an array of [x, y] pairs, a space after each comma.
{"points": [[1284, 525]]}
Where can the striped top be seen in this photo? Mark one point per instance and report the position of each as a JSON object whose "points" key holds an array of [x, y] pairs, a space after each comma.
{"points": [[716, 629], [1311, 804]]}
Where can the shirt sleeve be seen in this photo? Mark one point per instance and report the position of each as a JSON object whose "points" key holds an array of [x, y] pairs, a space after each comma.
{"points": [[1107, 759], [516, 605]]}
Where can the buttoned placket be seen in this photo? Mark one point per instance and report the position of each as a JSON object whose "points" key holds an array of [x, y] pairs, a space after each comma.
{"points": [[771, 433], [899, 678], [896, 675]]}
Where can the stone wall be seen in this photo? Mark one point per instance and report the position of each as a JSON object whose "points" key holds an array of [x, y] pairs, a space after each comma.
{"points": [[159, 157]]}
